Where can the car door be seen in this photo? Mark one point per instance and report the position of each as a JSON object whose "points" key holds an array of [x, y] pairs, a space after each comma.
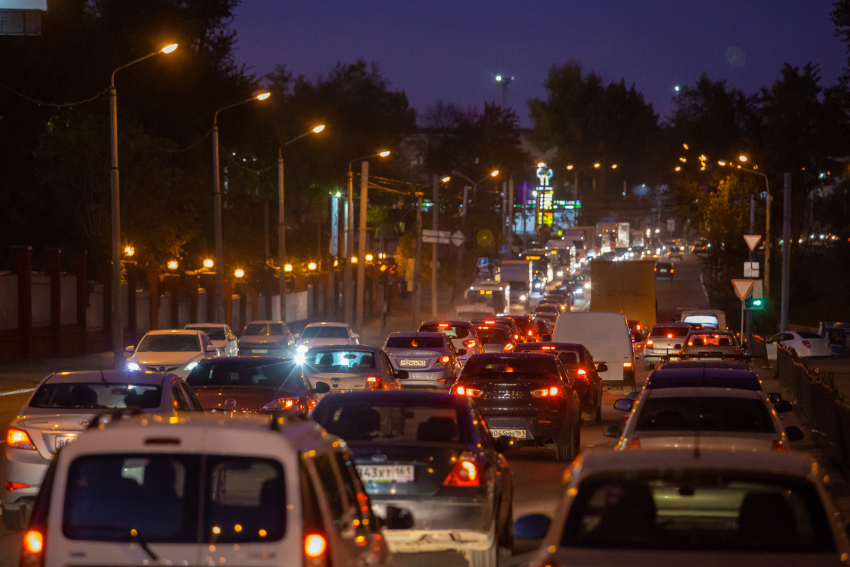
{"points": [[179, 402], [194, 403], [341, 529], [387, 372]]}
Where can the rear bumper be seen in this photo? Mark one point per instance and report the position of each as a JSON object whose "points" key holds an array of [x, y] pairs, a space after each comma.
{"points": [[28, 468], [427, 379], [540, 427]]}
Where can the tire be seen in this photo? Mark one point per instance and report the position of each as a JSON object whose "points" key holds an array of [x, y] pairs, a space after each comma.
{"points": [[565, 450], [506, 539], [17, 519]]}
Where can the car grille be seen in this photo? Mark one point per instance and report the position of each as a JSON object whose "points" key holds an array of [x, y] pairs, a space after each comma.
{"points": [[162, 368]]}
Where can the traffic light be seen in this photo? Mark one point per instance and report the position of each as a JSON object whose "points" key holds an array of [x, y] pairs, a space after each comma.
{"points": [[755, 303]]}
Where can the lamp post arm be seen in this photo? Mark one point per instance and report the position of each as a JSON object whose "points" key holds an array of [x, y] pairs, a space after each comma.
{"points": [[215, 116], [139, 60]]}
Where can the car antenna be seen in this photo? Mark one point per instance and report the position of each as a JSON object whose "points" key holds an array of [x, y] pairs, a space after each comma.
{"points": [[102, 377]]}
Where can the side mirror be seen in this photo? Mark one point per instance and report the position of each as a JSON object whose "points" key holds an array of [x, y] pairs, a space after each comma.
{"points": [[402, 375], [774, 397], [533, 526], [783, 406], [612, 430], [794, 433], [322, 388], [546, 338], [462, 352], [602, 367], [131, 349], [210, 348], [355, 336], [623, 404], [398, 519], [580, 383]]}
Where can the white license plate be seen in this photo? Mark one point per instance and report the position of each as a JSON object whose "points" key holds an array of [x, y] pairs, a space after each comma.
{"points": [[411, 362], [261, 350], [515, 433], [63, 440], [385, 473]]}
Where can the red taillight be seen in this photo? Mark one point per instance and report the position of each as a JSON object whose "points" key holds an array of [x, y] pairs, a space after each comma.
{"points": [[690, 343], [669, 335], [551, 392], [637, 327], [315, 546], [467, 391], [633, 444], [10, 486], [581, 372], [807, 344], [779, 446], [443, 360], [627, 365], [18, 439], [548, 348], [443, 325], [672, 270], [280, 404], [490, 322], [508, 347], [464, 473], [34, 542], [649, 342], [373, 382], [470, 344], [530, 333]]}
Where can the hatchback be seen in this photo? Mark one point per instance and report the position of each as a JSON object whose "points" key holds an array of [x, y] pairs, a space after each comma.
{"points": [[321, 334], [430, 359], [711, 345], [338, 369], [664, 270], [663, 340], [496, 338]]}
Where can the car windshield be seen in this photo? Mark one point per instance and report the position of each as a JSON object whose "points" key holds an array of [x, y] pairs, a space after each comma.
{"points": [[224, 372], [506, 365], [712, 339], [264, 330], [698, 511], [322, 332], [451, 331], [96, 395], [705, 414], [214, 333], [374, 421], [493, 336], [170, 343], [427, 343], [670, 332], [339, 361], [157, 498], [547, 308]]}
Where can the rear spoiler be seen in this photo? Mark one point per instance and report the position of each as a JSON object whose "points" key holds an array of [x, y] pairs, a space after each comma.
{"points": [[697, 356]]}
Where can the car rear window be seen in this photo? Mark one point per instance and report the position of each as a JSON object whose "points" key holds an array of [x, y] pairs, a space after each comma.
{"points": [[704, 414], [323, 332], [427, 343], [712, 339], [490, 336], [697, 378], [170, 343], [222, 373], [392, 422], [666, 332], [264, 329], [508, 365], [547, 308], [451, 331], [96, 395], [339, 361], [155, 498]]}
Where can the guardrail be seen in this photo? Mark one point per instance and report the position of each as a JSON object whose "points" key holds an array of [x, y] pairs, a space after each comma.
{"points": [[817, 397]]}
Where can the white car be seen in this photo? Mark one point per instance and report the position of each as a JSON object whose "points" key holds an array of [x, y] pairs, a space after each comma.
{"points": [[699, 417], [200, 489], [804, 343], [683, 507], [321, 334], [220, 335], [170, 351]]}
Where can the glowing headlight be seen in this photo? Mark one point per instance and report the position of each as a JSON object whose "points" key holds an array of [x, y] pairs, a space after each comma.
{"points": [[560, 274], [191, 365], [301, 349], [587, 286], [133, 366], [523, 297], [300, 358]]}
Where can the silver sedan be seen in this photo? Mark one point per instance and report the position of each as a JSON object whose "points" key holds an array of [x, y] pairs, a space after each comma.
{"points": [[429, 358]]}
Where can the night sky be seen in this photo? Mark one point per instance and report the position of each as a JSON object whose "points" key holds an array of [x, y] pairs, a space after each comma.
{"points": [[452, 50]]}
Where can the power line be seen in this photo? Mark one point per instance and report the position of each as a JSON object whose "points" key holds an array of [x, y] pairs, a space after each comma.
{"points": [[52, 104]]}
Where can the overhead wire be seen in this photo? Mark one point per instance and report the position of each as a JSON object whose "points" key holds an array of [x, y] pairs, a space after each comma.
{"points": [[53, 104]]}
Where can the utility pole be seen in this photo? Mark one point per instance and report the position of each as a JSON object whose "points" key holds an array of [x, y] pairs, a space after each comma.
{"points": [[417, 265], [281, 236], [436, 244], [347, 291], [334, 254], [510, 238], [460, 250], [752, 259], [768, 203], [382, 277], [786, 253], [361, 245]]}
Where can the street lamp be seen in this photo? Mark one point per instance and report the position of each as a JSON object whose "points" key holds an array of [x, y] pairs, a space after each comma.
{"points": [[117, 318], [129, 251], [208, 263], [239, 273], [172, 264], [219, 248], [311, 266]]}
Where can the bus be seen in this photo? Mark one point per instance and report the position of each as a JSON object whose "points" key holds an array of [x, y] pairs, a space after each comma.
{"points": [[485, 298]]}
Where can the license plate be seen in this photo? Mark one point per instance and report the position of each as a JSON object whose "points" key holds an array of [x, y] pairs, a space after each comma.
{"points": [[385, 473], [515, 433], [63, 440], [261, 350], [411, 362]]}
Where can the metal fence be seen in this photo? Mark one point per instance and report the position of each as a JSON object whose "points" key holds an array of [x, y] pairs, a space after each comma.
{"points": [[817, 397]]}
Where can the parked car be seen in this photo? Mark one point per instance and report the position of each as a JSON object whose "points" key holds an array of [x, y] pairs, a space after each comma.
{"points": [[170, 351], [61, 408], [527, 397], [606, 336], [708, 344], [462, 334], [496, 338], [664, 340], [682, 507], [805, 343], [430, 453], [267, 338], [430, 359], [664, 270], [350, 368], [253, 385], [234, 491], [321, 334], [220, 335]]}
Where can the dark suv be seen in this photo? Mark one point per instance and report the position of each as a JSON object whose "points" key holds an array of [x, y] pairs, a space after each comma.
{"points": [[525, 396]]}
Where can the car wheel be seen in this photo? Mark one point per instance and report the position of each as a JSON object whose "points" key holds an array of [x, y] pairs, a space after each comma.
{"points": [[17, 519], [506, 539], [565, 449]]}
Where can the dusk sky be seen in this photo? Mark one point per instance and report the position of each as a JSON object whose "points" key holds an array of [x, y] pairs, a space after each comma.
{"points": [[453, 49]]}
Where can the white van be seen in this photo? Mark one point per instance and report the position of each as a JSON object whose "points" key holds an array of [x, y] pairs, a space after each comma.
{"points": [[705, 317], [202, 489], [606, 336]]}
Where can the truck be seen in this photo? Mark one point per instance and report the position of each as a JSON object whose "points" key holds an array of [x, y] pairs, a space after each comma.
{"points": [[518, 274], [626, 287]]}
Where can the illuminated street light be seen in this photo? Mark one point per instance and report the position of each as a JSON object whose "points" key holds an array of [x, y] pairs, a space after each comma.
{"points": [[172, 264], [721, 162], [287, 268], [369, 257], [742, 158], [311, 266], [354, 259], [614, 166], [209, 263], [262, 95], [384, 153], [683, 160], [169, 48], [541, 164], [129, 251], [685, 146], [494, 173], [239, 273], [570, 166], [446, 179], [597, 165], [318, 128], [678, 168]]}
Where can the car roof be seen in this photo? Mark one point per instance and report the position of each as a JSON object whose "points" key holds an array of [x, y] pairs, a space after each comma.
{"points": [[174, 332], [711, 377], [424, 334], [513, 355], [327, 324], [446, 321], [702, 392], [239, 361], [557, 346], [203, 325], [110, 376], [673, 324], [363, 348], [730, 364], [595, 461], [705, 331], [399, 396]]}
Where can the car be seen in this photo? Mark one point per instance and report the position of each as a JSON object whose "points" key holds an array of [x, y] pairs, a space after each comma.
{"points": [[527, 328], [501, 320], [707, 344], [253, 385], [805, 343], [663, 340], [200, 488], [320, 334], [349, 368], [683, 507], [267, 338], [61, 408], [220, 335], [561, 305], [703, 417], [578, 362], [606, 336], [561, 295], [664, 270], [544, 327], [430, 359], [527, 397], [637, 330], [548, 311], [463, 336], [675, 252], [496, 338], [430, 453], [708, 318], [170, 351], [710, 374], [579, 283]]}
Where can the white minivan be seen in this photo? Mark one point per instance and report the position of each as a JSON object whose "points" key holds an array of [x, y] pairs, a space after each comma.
{"points": [[606, 336]]}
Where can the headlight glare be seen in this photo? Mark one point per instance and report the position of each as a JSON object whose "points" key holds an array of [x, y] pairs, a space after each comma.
{"points": [[133, 366]]}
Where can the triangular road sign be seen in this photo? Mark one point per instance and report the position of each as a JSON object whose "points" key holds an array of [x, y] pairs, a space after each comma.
{"points": [[752, 240], [743, 287]]}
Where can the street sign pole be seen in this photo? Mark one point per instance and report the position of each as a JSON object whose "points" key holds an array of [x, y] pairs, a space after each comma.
{"points": [[742, 289]]}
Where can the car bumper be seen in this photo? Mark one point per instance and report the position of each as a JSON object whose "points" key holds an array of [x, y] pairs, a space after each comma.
{"points": [[25, 467], [282, 352], [427, 380], [537, 427]]}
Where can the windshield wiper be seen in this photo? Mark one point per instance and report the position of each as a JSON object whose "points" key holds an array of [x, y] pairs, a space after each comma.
{"points": [[131, 537]]}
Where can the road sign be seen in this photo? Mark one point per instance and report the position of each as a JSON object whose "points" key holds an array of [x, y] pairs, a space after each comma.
{"points": [[752, 240], [458, 238], [438, 236], [742, 288], [751, 269], [758, 289], [671, 225], [483, 264], [503, 249]]}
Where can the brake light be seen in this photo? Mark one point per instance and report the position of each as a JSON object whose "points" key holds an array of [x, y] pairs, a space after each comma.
{"points": [[807, 344], [672, 270], [34, 542], [633, 444], [627, 365], [18, 439], [10, 486], [315, 546], [581, 372], [470, 344], [464, 473], [548, 348], [669, 335], [516, 337], [443, 325], [460, 390], [649, 342], [280, 404], [373, 382], [637, 327], [530, 333], [489, 322], [779, 446], [484, 327], [550, 392], [443, 360], [690, 343], [508, 347]]}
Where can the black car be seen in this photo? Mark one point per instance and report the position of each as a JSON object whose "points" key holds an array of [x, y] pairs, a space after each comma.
{"points": [[527, 397], [712, 374], [664, 270], [430, 453], [581, 369]]}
